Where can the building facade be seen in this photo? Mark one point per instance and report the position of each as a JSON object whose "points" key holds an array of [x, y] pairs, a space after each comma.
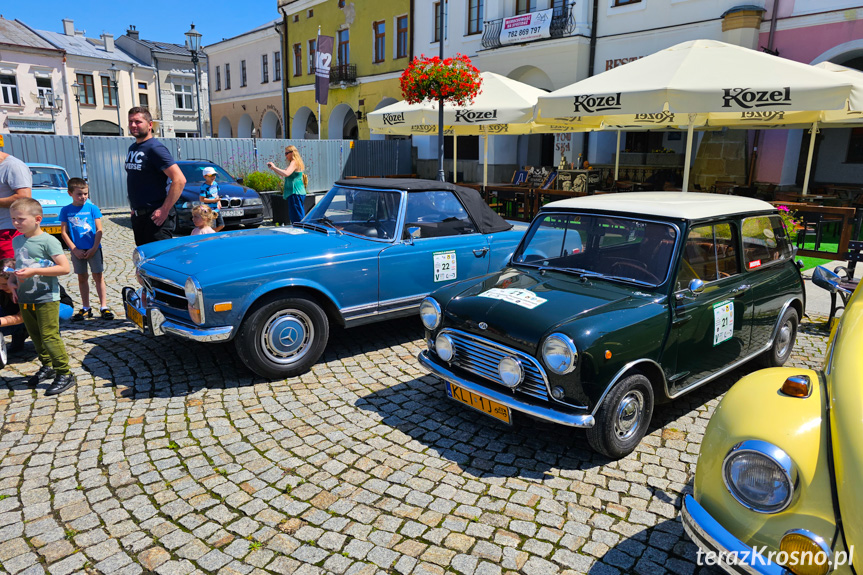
{"points": [[101, 81], [178, 89], [31, 79], [246, 87], [813, 31], [372, 46]]}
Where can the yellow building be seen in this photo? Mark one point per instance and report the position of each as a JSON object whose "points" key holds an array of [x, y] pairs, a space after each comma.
{"points": [[372, 45]]}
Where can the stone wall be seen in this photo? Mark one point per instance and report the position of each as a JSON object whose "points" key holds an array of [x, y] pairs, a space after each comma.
{"points": [[721, 157]]}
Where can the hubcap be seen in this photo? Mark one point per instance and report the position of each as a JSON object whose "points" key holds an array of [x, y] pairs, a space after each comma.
{"points": [[629, 413], [784, 339], [286, 336]]}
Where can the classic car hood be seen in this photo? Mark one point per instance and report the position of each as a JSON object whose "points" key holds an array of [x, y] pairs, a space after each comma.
{"points": [[52, 199], [519, 307], [846, 415], [196, 254]]}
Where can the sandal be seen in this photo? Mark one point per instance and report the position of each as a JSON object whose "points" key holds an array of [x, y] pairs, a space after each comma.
{"points": [[106, 313]]}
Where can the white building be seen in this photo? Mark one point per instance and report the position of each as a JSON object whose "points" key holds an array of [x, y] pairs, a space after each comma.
{"points": [[179, 92], [239, 107]]}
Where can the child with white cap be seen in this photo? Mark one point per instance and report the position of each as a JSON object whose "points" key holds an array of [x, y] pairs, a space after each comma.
{"points": [[209, 195]]}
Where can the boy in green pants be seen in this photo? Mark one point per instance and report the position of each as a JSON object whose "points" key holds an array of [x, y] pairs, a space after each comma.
{"points": [[39, 261]]}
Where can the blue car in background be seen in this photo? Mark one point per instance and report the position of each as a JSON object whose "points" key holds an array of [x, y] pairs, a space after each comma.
{"points": [[50, 189], [370, 250], [239, 204]]}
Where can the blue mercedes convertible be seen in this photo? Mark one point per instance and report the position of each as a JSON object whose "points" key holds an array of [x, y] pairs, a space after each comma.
{"points": [[370, 250]]}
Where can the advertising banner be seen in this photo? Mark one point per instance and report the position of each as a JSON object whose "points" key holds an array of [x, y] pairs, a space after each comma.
{"points": [[323, 60], [526, 27]]}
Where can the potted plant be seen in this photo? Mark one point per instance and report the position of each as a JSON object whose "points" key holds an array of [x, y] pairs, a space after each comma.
{"points": [[453, 80], [664, 157]]}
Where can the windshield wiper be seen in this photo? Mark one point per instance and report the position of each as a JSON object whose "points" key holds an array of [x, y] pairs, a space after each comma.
{"points": [[329, 222], [575, 271]]}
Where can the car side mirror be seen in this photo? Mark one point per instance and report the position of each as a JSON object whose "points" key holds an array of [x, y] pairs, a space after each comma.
{"points": [[800, 264], [413, 233], [824, 278], [696, 286], [240, 181]]}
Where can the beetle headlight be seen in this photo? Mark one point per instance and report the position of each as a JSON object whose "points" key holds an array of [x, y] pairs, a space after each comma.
{"points": [[559, 353], [760, 476], [444, 347], [195, 299], [430, 313]]}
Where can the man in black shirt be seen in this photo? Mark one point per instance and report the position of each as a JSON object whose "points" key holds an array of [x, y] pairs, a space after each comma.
{"points": [[149, 165]]}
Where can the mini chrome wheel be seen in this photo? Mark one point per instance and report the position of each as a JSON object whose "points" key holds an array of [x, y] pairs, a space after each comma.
{"points": [[629, 413], [623, 417], [783, 342]]}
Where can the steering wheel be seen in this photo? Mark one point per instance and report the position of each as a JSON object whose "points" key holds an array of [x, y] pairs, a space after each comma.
{"points": [[640, 268]]}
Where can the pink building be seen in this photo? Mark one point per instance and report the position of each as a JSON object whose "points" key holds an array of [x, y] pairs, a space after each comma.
{"points": [[813, 31]]}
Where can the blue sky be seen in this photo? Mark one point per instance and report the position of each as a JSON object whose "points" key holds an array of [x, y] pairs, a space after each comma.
{"points": [[161, 20]]}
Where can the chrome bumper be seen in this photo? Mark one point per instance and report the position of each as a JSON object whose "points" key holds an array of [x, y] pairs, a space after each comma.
{"points": [[156, 324], [538, 411], [714, 539]]}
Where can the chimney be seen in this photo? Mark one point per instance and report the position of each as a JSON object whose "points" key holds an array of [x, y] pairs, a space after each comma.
{"points": [[108, 40], [132, 32], [68, 27]]}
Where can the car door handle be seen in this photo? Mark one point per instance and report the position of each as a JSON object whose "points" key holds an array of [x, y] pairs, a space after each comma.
{"points": [[480, 253], [740, 290]]}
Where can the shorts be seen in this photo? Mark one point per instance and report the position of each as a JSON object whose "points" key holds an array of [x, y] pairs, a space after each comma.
{"points": [[95, 263], [220, 221], [146, 230]]}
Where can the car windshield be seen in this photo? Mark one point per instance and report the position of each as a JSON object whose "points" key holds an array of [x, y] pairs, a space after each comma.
{"points": [[49, 178], [358, 211], [613, 247], [193, 173]]}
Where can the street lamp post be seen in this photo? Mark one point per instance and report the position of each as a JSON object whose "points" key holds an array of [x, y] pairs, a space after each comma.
{"points": [[51, 103], [193, 43], [76, 89], [113, 69]]}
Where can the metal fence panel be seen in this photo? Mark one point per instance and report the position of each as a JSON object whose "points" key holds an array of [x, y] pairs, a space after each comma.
{"points": [[106, 160], [326, 160], [33, 148]]}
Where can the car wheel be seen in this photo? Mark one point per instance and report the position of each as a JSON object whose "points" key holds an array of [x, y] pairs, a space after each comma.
{"points": [[783, 343], [623, 418], [284, 337]]}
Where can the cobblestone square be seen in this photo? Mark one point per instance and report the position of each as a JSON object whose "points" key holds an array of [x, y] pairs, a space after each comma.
{"points": [[170, 457]]}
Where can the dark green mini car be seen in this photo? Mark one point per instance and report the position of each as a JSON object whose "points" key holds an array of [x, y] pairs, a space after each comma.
{"points": [[613, 303]]}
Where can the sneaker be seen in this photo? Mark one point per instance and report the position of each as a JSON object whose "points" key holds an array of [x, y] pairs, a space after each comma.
{"points": [[61, 383], [45, 373], [106, 313], [83, 313]]}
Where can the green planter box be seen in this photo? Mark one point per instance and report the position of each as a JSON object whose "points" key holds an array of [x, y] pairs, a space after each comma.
{"points": [[664, 159], [632, 158]]}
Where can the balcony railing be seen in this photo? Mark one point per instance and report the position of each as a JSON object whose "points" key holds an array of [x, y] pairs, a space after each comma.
{"points": [[346, 73], [562, 24]]}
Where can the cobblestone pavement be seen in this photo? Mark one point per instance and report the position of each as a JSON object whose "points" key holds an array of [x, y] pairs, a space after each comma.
{"points": [[171, 458]]}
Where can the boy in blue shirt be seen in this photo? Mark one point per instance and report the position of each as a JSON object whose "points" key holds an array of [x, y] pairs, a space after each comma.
{"points": [[81, 223], [209, 196]]}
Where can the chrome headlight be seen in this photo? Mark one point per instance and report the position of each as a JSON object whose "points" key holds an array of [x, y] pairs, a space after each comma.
{"points": [[510, 371], [137, 257], [195, 298], [559, 353], [430, 313], [444, 347], [252, 202], [760, 476]]}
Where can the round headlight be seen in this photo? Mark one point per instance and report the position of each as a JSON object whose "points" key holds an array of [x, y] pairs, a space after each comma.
{"points": [[137, 257], [510, 371], [444, 347], [191, 291], [430, 313], [559, 353], [760, 476]]}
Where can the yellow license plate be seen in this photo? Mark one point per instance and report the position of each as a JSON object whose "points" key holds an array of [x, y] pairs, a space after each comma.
{"points": [[51, 229], [478, 402], [135, 316]]}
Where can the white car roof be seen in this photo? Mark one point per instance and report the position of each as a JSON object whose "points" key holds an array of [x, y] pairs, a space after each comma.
{"points": [[683, 205]]}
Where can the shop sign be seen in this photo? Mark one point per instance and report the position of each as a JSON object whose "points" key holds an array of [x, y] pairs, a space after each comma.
{"points": [[25, 125], [526, 27]]}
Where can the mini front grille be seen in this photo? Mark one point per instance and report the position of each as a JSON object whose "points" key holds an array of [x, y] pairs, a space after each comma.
{"points": [[166, 293], [481, 357]]}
